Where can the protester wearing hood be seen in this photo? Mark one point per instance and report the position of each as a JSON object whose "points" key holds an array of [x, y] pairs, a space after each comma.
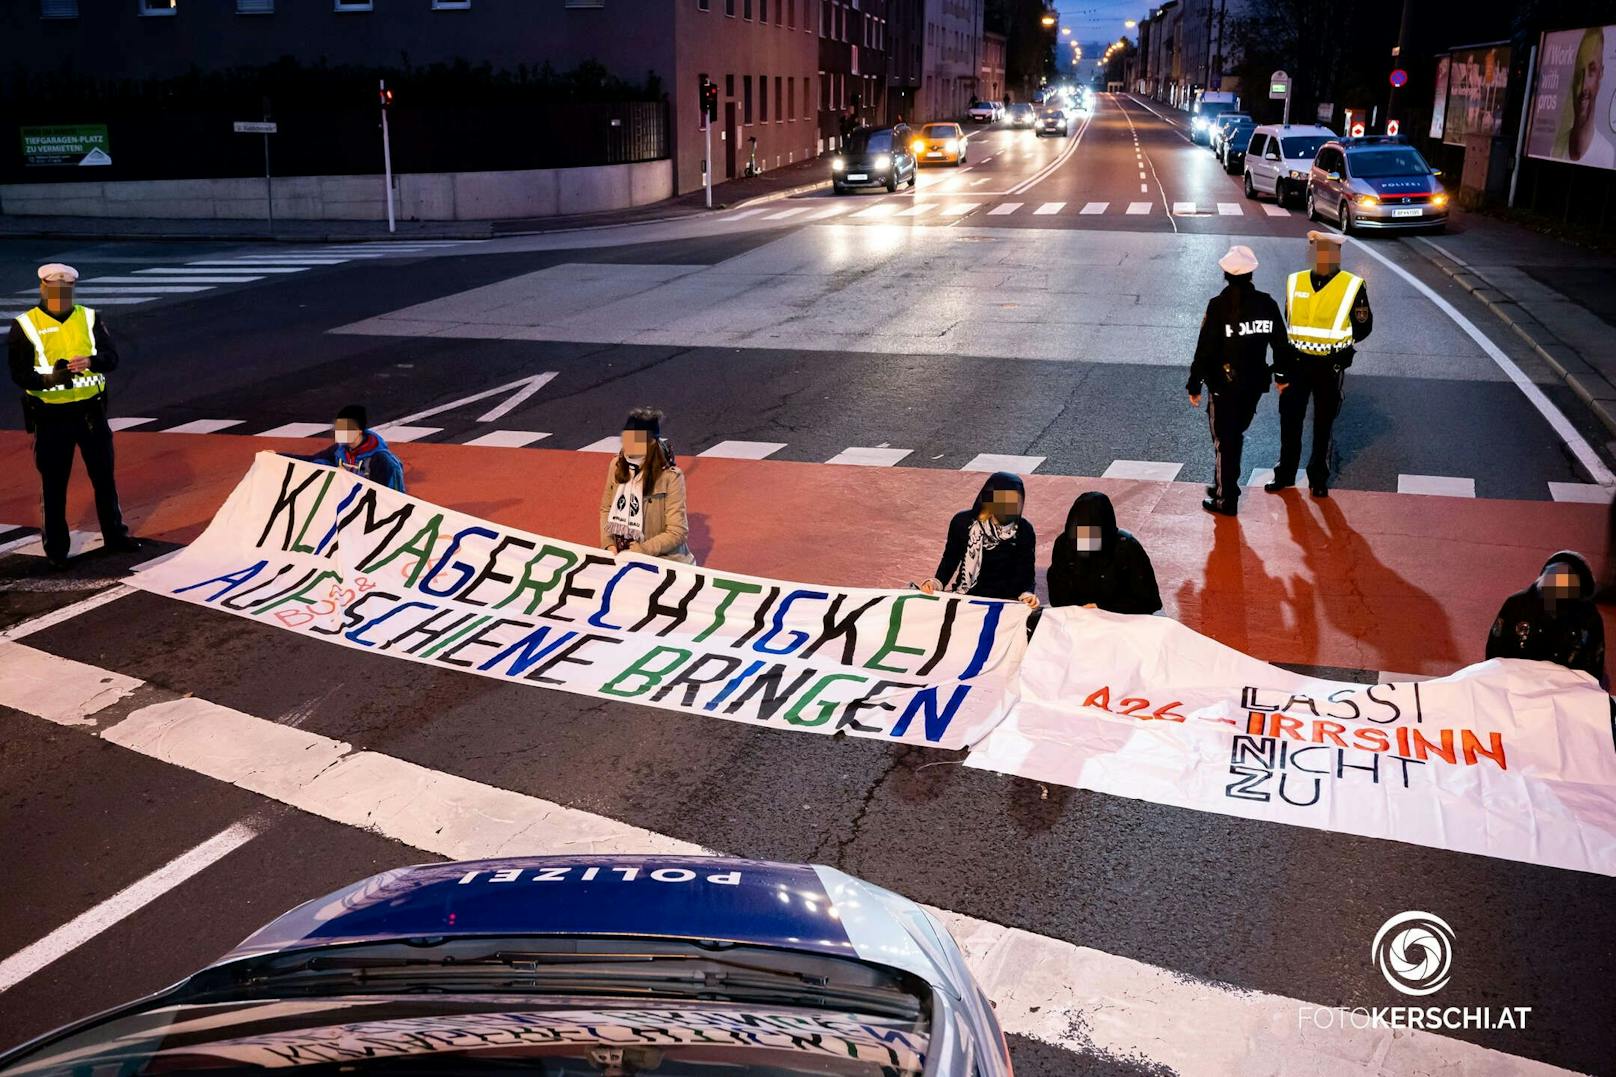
{"points": [[642, 508], [361, 450], [1554, 620], [1097, 564], [1241, 324], [990, 548]]}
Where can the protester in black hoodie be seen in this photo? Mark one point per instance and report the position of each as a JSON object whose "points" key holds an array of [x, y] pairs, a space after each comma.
{"points": [[989, 552], [1098, 564], [1554, 620]]}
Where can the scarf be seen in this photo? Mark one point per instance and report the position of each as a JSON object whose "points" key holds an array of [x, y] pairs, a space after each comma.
{"points": [[985, 535], [626, 520]]}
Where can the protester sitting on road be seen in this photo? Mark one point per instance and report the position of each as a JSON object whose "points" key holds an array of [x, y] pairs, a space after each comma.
{"points": [[642, 508], [990, 548], [360, 450], [1098, 565], [1554, 620]]}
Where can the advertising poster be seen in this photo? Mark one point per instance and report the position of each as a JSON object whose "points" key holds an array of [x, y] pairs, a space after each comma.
{"points": [[1477, 82], [1439, 106], [1573, 109]]}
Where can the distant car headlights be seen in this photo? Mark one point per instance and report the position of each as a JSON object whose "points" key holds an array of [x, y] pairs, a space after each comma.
{"points": [[837, 164], [883, 162]]}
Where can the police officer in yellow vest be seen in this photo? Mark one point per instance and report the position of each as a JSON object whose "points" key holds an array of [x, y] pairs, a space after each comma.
{"points": [[60, 354], [1327, 311]]}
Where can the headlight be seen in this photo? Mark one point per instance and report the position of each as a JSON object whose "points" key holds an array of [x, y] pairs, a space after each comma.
{"points": [[1295, 174], [951, 146], [1198, 123], [919, 145], [837, 164], [883, 162], [1439, 200], [1368, 200]]}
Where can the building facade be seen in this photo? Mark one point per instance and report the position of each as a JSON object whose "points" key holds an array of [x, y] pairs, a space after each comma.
{"points": [[952, 58], [990, 75]]}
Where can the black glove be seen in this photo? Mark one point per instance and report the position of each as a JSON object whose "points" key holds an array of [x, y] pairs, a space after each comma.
{"points": [[59, 375]]}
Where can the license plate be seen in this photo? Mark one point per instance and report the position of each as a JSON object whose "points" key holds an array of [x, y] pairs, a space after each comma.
{"points": [[934, 153], [1413, 211], [858, 176]]}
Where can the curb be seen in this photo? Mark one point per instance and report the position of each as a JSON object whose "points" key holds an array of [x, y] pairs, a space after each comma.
{"points": [[256, 237], [1589, 385]]}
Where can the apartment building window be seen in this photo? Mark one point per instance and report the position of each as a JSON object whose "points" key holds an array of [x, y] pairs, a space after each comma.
{"points": [[807, 100], [729, 8], [255, 7], [763, 99], [763, 10], [746, 99], [780, 112], [729, 85], [791, 14], [59, 9], [350, 5], [704, 5], [746, 9], [791, 99], [157, 7]]}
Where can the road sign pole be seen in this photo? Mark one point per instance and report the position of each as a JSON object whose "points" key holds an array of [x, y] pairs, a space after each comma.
{"points": [[387, 164], [269, 188], [1287, 117], [707, 160]]}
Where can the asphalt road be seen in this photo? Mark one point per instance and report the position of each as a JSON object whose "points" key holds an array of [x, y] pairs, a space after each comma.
{"points": [[949, 332]]}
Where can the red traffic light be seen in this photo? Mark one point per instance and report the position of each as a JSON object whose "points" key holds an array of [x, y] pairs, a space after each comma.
{"points": [[386, 97]]}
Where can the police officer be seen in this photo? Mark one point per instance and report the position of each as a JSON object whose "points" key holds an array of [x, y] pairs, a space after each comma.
{"points": [[60, 355], [1327, 310], [1231, 360]]}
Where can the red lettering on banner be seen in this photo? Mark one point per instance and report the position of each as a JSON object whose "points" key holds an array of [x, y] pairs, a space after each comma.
{"points": [[1470, 744], [1443, 748], [1133, 705], [293, 617], [1099, 698]]}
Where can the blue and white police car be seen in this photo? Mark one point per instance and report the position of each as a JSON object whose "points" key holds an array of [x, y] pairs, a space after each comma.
{"points": [[590, 965]]}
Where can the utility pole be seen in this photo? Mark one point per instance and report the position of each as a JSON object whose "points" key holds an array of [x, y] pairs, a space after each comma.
{"points": [[386, 96], [1397, 53], [269, 184]]}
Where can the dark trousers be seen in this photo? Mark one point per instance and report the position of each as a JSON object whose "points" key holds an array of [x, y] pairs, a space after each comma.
{"points": [[1319, 381], [1229, 415], [58, 430]]}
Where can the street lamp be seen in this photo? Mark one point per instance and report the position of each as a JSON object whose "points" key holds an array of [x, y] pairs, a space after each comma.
{"points": [[1067, 30], [1130, 24], [1048, 19]]}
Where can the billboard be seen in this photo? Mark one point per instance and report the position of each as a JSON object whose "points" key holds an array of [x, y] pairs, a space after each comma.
{"points": [[1477, 80], [1439, 107], [73, 144], [1573, 111]]}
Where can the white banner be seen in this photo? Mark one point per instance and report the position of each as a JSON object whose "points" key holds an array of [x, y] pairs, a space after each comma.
{"points": [[1507, 758], [327, 554]]}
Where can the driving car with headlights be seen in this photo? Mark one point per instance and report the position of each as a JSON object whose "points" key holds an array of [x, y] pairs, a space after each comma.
{"points": [[940, 144], [1375, 182], [982, 112], [1279, 159], [587, 965], [1208, 107], [1022, 114], [1054, 121], [873, 157]]}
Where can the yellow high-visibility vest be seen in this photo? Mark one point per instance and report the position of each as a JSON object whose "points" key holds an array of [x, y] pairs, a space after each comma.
{"points": [[56, 340], [1320, 322]]}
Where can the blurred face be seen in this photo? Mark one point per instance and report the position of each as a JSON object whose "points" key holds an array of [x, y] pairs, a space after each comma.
{"points": [[636, 443], [1005, 506], [1590, 71], [1559, 582], [1326, 258], [1086, 537], [56, 295], [347, 432]]}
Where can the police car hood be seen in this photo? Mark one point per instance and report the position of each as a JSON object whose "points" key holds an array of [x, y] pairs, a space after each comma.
{"points": [[791, 906], [1398, 186]]}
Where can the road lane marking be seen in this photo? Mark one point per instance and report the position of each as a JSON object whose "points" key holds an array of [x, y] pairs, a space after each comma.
{"points": [[128, 422], [880, 209], [878, 457], [828, 211], [607, 444], [1144, 188], [1141, 173], [1275, 211], [1585, 492], [1436, 485], [1172, 222], [1149, 470], [1139, 207], [203, 426], [1260, 476], [525, 387], [295, 430], [1229, 209], [1073, 997], [744, 450], [918, 209], [220, 267], [509, 439], [57, 689], [1049, 169], [178, 278], [992, 461], [959, 209], [399, 432], [784, 213], [1584, 452], [131, 899], [1184, 208], [100, 291], [1092, 208], [1004, 207], [741, 214], [1049, 207]]}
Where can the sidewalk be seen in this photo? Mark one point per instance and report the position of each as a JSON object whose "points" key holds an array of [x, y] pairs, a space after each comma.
{"points": [[778, 183], [1559, 298]]}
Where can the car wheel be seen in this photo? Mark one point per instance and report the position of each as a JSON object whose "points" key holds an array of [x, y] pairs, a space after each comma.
{"points": [[1250, 191], [1343, 214], [837, 188], [892, 183]]}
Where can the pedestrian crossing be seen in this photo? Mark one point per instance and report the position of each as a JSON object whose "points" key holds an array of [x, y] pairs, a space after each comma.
{"points": [[204, 274], [961, 205], [882, 455]]}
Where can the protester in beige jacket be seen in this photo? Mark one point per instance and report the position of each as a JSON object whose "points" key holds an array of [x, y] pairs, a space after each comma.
{"points": [[642, 508]]}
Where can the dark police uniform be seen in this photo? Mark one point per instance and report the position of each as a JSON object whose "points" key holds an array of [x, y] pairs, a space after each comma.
{"points": [[1241, 324], [1327, 316], [64, 411]]}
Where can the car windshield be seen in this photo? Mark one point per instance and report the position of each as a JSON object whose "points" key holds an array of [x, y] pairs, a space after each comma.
{"points": [[1302, 145], [460, 1035], [1023, 108], [1054, 114], [1378, 164], [940, 130], [866, 141]]}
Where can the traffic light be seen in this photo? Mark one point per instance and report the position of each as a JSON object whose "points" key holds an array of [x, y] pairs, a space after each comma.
{"points": [[386, 97], [709, 99]]}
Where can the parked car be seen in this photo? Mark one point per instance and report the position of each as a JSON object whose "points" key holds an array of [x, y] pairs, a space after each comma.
{"points": [[1279, 159], [588, 964], [1054, 121], [1023, 114], [874, 157], [1232, 146], [1217, 128], [940, 144], [1375, 182], [982, 112]]}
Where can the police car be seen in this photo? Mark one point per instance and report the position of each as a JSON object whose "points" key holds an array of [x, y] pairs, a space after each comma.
{"points": [[621, 965], [1375, 182]]}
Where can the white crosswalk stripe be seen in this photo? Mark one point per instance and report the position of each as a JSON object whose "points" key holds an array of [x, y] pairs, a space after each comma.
{"points": [[186, 278], [295, 430], [784, 213], [1229, 209], [1004, 207], [1183, 209], [1585, 492], [1139, 207], [396, 433], [1049, 207], [959, 209], [91, 292], [871, 457], [742, 214], [992, 461], [204, 426], [1092, 208], [128, 422], [918, 210], [1153, 470], [828, 211], [1275, 211], [1436, 485], [880, 209], [744, 450], [508, 439], [257, 269]]}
